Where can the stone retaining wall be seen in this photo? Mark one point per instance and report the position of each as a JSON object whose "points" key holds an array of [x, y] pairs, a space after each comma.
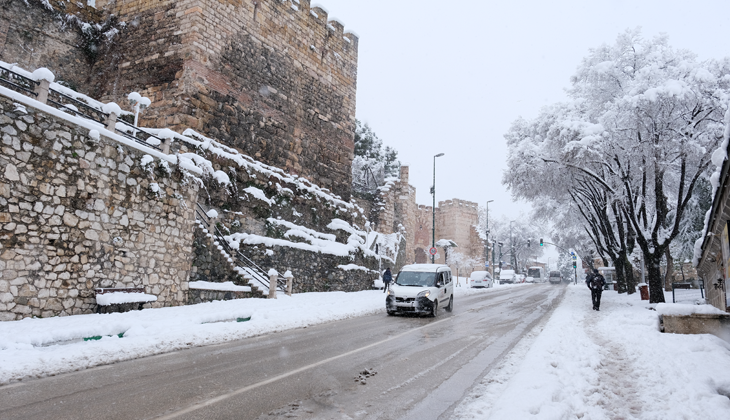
{"points": [[78, 213], [315, 272]]}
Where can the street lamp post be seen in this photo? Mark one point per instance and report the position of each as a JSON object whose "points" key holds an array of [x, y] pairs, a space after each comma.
{"points": [[433, 209], [500, 256], [486, 258], [511, 247]]}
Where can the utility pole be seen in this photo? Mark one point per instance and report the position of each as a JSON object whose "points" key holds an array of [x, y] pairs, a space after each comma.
{"points": [[486, 257], [511, 248], [433, 209]]}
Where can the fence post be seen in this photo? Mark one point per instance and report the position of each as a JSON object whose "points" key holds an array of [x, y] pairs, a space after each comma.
{"points": [[166, 146], [43, 77], [289, 281], [111, 122], [41, 89], [113, 111], [273, 276]]}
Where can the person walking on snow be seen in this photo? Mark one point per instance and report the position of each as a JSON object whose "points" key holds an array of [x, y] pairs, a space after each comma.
{"points": [[387, 278], [596, 282]]}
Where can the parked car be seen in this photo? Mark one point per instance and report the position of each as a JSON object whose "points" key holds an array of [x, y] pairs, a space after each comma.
{"points": [[481, 279], [421, 289], [556, 277], [507, 277]]}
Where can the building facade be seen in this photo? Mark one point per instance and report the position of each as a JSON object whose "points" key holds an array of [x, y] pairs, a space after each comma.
{"points": [[713, 259]]}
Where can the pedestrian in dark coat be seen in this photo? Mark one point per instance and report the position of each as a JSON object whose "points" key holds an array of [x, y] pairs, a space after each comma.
{"points": [[387, 278], [596, 283]]}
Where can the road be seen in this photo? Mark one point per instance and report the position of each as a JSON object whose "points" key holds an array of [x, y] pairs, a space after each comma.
{"points": [[372, 367]]}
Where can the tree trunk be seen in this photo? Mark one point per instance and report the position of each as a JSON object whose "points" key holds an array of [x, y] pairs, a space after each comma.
{"points": [[629, 272], [620, 275], [653, 269], [670, 271]]}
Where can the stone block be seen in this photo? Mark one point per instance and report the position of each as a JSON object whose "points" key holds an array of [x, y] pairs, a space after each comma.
{"points": [[7, 316], [718, 325], [53, 305]]}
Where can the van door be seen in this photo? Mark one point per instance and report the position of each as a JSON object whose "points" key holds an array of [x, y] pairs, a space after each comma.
{"points": [[449, 288]]}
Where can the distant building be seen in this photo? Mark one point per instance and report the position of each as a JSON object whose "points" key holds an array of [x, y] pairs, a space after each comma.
{"points": [[396, 210]]}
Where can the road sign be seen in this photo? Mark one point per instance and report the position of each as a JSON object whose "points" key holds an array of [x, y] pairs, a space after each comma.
{"points": [[575, 258], [486, 264], [433, 251]]}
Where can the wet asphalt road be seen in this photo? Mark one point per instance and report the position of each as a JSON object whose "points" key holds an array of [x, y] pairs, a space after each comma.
{"points": [[372, 367]]}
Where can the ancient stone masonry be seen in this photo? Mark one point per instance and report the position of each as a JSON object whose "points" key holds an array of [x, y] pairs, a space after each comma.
{"points": [[80, 211], [396, 210], [274, 78], [457, 220], [33, 36], [283, 222]]}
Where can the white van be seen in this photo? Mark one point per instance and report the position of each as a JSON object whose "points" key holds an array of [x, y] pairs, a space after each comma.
{"points": [[421, 289], [481, 279]]}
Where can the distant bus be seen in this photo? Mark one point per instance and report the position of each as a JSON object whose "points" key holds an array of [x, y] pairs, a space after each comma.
{"points": [[536, 275]]}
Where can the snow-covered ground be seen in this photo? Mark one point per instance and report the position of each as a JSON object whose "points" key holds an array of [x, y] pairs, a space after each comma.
{"points": [[612, 364], [577, 364], [50, 346]]}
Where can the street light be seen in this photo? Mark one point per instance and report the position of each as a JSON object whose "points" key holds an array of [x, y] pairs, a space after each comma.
{"points": [[433, 209], [511, 247], [487, 241]]}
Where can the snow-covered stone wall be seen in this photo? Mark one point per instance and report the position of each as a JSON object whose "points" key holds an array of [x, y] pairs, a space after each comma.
{"points": [[80, 211], [275, 79]]}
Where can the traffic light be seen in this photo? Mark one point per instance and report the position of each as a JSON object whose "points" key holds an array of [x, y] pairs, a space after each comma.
{"points": [[574, 266], [541, 244], [528, 243]]}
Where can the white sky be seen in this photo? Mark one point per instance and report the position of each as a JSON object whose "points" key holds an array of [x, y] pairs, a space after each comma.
{"points": [[451, 76]]}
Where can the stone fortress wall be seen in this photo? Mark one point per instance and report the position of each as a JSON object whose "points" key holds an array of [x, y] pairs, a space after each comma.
{"points": [[78, 213], [455, 219], [275, 79]]}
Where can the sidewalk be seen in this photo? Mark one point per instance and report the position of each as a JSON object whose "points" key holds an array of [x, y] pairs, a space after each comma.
{"points": [[612, 364]]}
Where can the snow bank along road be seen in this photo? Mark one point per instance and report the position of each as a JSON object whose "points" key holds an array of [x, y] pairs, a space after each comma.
{"points": [[612, 364], [369, 367]]}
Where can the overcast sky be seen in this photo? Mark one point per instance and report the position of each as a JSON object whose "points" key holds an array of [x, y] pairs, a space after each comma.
{"points": [[451, 76]]}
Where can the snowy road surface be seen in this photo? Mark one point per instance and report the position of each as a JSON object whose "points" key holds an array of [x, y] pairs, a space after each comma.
{"points": [[368, 367]]}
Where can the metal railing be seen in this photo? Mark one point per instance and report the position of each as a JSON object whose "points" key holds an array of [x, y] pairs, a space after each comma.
{"points": [[68, 104], [62, 101], [17, 82], [684, 292], [240, 260], [138, 134]]}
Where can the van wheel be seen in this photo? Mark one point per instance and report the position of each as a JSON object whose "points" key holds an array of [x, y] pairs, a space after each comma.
{"points": [[435, 308], [450, 306]]}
